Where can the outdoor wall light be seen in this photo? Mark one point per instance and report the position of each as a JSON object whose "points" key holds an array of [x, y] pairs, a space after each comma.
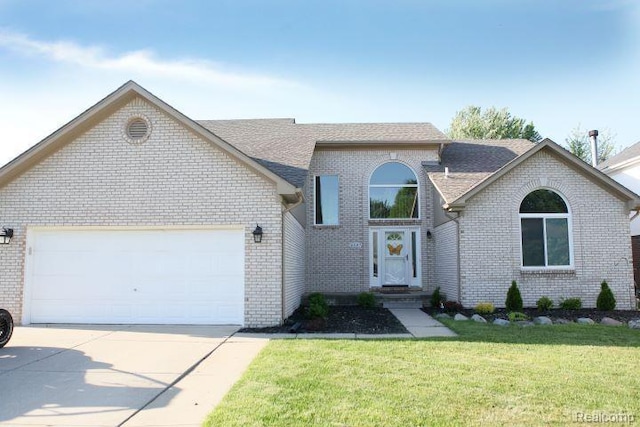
{"points": [[5, 235], [257, 234], [429, 234]]}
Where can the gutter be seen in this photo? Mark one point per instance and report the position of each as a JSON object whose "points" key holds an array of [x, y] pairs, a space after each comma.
{"points": [[288, 208]]}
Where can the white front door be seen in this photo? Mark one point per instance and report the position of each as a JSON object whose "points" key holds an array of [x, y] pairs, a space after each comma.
{"points": [[395, 259]]}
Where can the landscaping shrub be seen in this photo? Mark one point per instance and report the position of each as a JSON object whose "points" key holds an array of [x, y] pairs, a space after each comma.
{"points": [[366, 300], [516, 316], [318, 307], [436, 298], [485, 308], [571, 304], [514, 299], [606, 301], [452, 306], [544, 304]]}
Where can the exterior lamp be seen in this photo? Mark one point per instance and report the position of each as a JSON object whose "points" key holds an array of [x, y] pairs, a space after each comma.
{"points": [[5, 235], [257, 234]]}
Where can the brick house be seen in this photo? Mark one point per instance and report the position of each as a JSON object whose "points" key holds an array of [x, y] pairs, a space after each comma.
{"points": [[135, 213]]}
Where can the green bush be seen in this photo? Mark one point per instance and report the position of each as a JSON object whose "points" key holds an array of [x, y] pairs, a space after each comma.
{"points": [[437, 298], [606, 301], [516, 316], [514, 299], [544, 304], [366, 300], [485, 308], [318, 307], [571, 304]]}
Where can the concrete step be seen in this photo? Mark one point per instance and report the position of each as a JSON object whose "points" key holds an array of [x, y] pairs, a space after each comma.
{"points": [[402, 304]]}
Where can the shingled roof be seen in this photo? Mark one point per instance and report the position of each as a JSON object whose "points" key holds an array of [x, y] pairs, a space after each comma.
{"points": [[286, 147], [472, 161], [628, 154]]}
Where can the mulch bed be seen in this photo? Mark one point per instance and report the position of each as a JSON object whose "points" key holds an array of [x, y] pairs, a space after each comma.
{"points": [[341, 319], [554, 314]]}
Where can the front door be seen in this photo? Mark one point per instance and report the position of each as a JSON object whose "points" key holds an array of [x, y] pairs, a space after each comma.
{"points": [[394, 257]]}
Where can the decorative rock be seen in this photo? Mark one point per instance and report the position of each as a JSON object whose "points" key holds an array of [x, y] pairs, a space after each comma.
{"points": [[542, 320], [563, 321], [634, 324], [459, 316], [524, 323], [610, 322], [585, 321], [442, 316], [501, 322], [478, 318]]}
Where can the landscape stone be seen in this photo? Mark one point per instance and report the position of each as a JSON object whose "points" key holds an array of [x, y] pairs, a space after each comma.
{"points": [[610, 322], [542, 320], [585, 321], [442, 316], [562, 321], [525, 323], [459, 316], [634, 324], [501, 322], [478, 318]]}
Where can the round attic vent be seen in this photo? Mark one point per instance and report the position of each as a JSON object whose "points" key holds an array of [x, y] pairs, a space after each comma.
{"points": [[137, 130]]}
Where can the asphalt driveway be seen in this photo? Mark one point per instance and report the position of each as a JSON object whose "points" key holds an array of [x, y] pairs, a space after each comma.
{"points": [[95, 375]]}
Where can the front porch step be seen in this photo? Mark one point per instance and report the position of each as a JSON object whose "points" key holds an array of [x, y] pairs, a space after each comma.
{"points": [[403, 298], [402, 304]]}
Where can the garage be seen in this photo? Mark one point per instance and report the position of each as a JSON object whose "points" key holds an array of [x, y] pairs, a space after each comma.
{"points": [[137, 276]]}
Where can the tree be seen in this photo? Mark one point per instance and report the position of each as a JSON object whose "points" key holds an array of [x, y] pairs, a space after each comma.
{"points": [[579, 145], [491, 123]]}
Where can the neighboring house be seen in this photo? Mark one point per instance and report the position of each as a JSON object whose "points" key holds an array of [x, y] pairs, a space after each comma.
{"points": [[624, 167], [135, 213]]}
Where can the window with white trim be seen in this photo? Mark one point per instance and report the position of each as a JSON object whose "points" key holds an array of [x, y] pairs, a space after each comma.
{"points": [[393, 192], [545, 226], [326, 200]]}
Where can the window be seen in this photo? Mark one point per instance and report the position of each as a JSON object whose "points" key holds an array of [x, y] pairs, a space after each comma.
{"points": [[326, 200], [393, 192], [545, 230]]}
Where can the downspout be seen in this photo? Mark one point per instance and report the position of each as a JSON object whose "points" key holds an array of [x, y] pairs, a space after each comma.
{"points": [[287, 209], [456, 220]]}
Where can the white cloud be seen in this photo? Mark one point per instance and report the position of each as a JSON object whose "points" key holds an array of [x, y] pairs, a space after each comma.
{"points": [[140, 62]]}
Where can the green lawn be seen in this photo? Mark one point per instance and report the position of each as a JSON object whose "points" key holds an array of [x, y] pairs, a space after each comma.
{"points": [[489, 375]]}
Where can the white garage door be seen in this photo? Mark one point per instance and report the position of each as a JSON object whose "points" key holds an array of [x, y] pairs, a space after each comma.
{"points": [[135, 276]]}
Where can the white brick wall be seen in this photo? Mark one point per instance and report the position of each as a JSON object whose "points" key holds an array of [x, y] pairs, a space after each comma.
{"points": [[490, 239], [173, 179], [332, 266], [446, 248], [294, 263]]}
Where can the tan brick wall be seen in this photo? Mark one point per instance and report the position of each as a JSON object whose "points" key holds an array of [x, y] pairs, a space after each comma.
{"points": [[332, 265], [490, 239], [173, 179], [294, 263]]}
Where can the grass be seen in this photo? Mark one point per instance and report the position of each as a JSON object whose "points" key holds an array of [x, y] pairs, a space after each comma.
{"points": [[543, 375]]}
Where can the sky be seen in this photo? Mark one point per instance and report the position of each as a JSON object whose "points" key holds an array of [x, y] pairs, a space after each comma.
{"points": [[560, 64]]}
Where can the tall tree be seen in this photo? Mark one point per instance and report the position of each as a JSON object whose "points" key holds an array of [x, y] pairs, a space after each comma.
{"points": [[472, 122], [579, 145]]}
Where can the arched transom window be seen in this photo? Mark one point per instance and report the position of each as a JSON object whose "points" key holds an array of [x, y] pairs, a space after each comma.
{"points": [[393, 192], [545, 225]]}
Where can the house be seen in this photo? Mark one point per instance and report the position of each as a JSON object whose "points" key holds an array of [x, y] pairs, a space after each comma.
{"points": [[624, 167], [135, 213]]}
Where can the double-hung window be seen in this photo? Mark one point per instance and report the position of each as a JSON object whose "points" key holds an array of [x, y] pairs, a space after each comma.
{"points": [[545, 225]]}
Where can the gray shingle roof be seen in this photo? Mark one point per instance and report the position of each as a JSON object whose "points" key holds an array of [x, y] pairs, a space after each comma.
{"points": [[286, 147], [627, 154], [472, 161]]}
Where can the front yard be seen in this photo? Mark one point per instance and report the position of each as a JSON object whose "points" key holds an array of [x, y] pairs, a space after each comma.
{"points": [[489, 375]]}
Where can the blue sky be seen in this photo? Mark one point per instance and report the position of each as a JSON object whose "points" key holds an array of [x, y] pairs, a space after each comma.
{"points": [[557, 63]]}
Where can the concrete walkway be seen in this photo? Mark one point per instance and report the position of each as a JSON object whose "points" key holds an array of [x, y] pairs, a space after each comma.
{"points": [[420, 324]]}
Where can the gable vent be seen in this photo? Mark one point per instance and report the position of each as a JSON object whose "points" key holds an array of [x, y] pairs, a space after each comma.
{"points": [[137, 129]]}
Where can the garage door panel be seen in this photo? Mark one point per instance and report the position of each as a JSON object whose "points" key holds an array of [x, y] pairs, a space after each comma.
{"points": [[138, 276]]}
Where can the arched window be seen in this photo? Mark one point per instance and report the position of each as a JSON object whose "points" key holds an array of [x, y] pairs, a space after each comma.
{"points": [[393, 192], [545, 228]]}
